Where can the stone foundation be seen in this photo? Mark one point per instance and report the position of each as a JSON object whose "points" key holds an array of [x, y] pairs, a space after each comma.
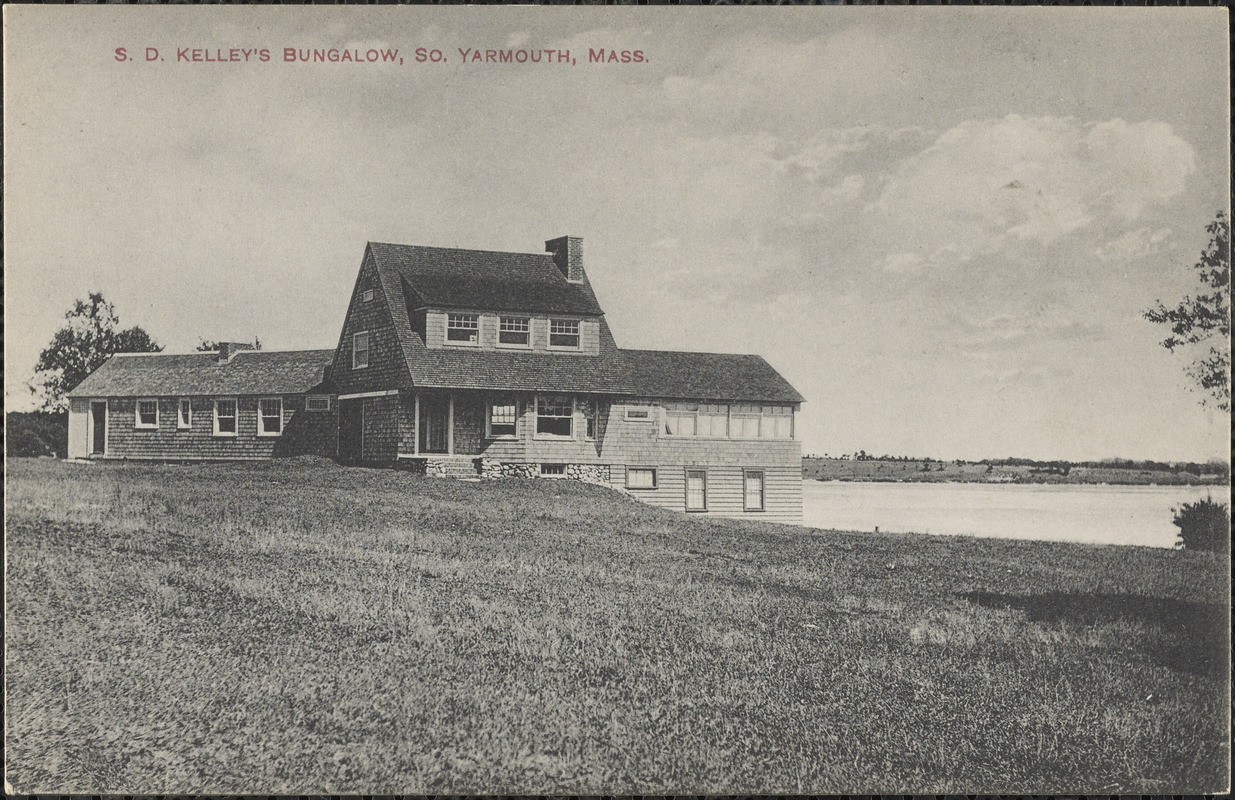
{"points": [[586, 473]]}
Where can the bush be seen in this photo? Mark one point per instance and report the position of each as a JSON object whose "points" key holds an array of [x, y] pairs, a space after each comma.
{"points": [[1204, 525], [36, 433]]}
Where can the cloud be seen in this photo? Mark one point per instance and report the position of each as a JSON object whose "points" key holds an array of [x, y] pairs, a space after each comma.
{"points": [[986, 186], [1134, 244]]}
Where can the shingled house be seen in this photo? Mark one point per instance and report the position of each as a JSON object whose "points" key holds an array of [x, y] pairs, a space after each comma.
{"points": [[472, 363]]}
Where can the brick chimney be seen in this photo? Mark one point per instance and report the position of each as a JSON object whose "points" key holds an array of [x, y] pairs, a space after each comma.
{"points": [[568, 255], [229, 349]]}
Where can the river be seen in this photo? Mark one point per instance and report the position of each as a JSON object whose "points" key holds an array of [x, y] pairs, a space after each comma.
{"points": [[1101, 514]]}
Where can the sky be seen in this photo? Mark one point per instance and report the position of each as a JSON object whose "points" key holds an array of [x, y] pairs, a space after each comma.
{"points": [[941, 225]]}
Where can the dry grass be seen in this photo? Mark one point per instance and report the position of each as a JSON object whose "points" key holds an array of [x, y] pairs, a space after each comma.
{"points": [[304, 628]]}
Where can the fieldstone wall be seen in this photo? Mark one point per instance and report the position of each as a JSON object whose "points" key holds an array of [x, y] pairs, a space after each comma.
{"points": [[587, 473]]}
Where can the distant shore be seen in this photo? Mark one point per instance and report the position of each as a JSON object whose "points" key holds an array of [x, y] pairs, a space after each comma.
{"points": [[930, 471]]}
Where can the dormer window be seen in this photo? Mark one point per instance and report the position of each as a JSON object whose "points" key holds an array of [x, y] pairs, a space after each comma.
{"points": [[514, 331], [564, 333], [463, 328]]}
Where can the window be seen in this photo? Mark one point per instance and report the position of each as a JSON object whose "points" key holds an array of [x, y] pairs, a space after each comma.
{"points": [[552, 470], [554, 416], [502, 417], [366, 295], [147, 414], [515, 331], [185, 417], [640, 478], [463, 328], [317, 402], [564, 333], [713, 421], [752, 491], [224, 417], [680, 419], [270, 416], [638, 414], [588, 407], [777, 422], [360, 350], [745, 422], [696, 490]]}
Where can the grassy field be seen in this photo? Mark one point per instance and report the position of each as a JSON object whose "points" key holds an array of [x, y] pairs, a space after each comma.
{"points": [[847, 469], [306, 628]]}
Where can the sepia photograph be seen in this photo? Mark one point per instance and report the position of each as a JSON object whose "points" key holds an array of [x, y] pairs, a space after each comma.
{"points": [[616, 400]]}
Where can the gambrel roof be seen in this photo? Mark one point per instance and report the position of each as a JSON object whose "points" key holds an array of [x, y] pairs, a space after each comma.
{"points": [[444, 277], [248, 372]]}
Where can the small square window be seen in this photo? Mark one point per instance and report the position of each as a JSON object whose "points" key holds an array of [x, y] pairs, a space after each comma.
{"points": [[185, 417], [270, 416], [366, 295], [552, 470], [463, 328], [640, 478], [147, 413]]}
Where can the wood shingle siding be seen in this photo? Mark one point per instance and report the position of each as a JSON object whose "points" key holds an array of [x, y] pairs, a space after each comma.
{"points": [[387, 367], [304, 432], [782, 498]]}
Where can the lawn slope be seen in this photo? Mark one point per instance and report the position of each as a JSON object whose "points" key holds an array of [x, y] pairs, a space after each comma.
{"points": [[306, 628]]}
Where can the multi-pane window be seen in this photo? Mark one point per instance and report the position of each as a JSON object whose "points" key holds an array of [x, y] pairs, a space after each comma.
{"points": [[752, 493], [554, 416], [638, 414], [696, 490], [777, 422], [185, 417], [680, 418], [224, 417], [147, 413], [640, 478], [317, 402], [360, 350], [270, 416], [514, 331], [502, 416], [463, 328], [744, 421], [552, 470], [713, 421], [564, 333]]}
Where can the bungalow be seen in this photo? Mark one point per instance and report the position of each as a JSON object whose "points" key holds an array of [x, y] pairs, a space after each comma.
{"points": [[471, 363]]}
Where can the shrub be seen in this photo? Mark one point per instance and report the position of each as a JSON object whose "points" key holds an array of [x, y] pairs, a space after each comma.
{"points": [[1204, 525], [36, 433]]}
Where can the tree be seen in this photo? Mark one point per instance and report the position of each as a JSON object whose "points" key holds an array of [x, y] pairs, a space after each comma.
{"points": [[1206, 318], [91, 336]]}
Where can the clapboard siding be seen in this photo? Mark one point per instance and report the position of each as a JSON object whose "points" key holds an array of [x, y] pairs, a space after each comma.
{"points": [[304, 432], [782, 491]]}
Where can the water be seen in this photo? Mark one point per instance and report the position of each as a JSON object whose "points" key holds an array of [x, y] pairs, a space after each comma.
{"points": [[1139, 515]]}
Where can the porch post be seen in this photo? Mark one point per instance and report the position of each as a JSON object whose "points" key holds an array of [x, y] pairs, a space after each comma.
{"points": [[416, 435], [450, 425]]}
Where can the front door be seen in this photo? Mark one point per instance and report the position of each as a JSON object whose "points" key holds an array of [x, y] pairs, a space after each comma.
{"points": [[434, 419], [98, 428]]}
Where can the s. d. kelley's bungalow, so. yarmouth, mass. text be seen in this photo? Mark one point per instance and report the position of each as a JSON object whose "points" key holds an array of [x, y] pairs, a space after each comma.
{"points": [[469, 363]]}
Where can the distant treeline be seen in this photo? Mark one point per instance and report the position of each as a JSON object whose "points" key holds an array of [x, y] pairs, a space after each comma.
{"points": [[1215, 467]]}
